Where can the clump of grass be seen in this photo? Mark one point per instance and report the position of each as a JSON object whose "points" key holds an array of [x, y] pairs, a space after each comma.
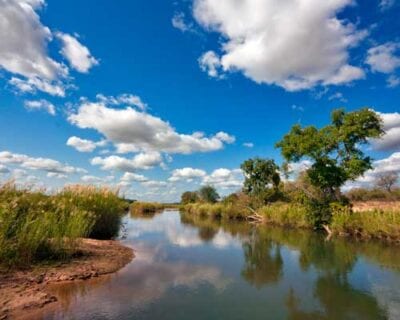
{"points": [[285, 214], [104, 204], [366, 224], [146, 208], [35, 226], [216, 210]]}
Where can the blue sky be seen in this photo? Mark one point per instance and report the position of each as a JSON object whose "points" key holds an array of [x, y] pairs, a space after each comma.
{"points": [[158, 97]]}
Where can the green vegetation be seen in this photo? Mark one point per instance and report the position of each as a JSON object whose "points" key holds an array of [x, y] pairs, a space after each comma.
{"points": [[35, 226], [314, 199], [336, 155], [144, 208]]}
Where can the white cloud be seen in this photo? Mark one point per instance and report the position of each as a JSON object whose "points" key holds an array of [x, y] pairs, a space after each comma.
{"points": [[391, 138], [125, 98], [389, 164], [78, 55], [225, 178], [43, 164], [133, 177], [178, 22], [383, 58], [337, 96], [84, 145], [293, 44], [94, 179], [248, 144], [210, 62], [41, 105], [4, 169], [393, 81], [141, 161], [386, 4], [56, 175], [186, 174], [23, 49], [31, 85], [133, 131]]}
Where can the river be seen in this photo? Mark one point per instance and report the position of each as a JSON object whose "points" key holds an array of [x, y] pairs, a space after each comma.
{"points": [[192, 268]]}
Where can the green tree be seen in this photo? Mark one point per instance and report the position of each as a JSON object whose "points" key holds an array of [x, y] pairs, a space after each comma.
{"points": [[261, 179], [189, 197], [335, 152], [208, 194]]}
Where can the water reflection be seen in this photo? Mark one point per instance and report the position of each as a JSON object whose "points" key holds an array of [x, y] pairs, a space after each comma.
{"points": [[189, 267]]}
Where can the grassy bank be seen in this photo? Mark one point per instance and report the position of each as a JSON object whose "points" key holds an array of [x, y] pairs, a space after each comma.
{"points": [[35, 226], [149, 208], [380, 224]]}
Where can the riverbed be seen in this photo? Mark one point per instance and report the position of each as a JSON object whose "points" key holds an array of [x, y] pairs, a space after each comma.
{"points": [[188, 267]]}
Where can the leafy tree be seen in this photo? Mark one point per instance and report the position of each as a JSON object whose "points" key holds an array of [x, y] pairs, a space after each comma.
{"points": [[189, 197], [387, 180], [335, 153], [208, 194], [261, 179]]}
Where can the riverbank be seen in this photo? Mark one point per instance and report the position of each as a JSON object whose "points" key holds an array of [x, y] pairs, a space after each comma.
{"points": [[24, 291], [364, 221]]}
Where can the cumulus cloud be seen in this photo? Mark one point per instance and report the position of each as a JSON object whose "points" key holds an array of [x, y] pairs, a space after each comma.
{"points": [[393, 81], [141, 161], [225, 178], [123, 99], [391, 138], [84, 145], [43, 164], [133, 177], [293, 44], [133, 131], [94, 179], [389, 164], [56, 175], [383, 58], [41, 105], [24, 50], [186, 174], [210, 62], [77, 54]]}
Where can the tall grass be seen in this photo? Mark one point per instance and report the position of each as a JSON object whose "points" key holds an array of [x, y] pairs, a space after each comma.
{"points": [[143, 208], [217, 210], [285, 214], [367, 224], [35, 226]]}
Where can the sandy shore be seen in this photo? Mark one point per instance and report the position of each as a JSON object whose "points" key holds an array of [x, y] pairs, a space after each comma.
{"points": [[25, 291]]}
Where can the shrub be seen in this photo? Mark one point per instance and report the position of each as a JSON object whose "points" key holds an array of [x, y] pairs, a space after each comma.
{"points": [[144, 208], [284, 214]]}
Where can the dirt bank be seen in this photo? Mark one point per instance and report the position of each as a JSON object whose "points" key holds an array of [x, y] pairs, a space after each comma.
{"points": [[24, 291]]}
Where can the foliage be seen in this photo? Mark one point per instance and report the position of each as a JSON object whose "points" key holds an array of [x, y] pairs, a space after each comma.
{"points": [[208, 194], [146, 207], [35, 226], [286, 214], [261, 179], [335, 152], [189, 197]]}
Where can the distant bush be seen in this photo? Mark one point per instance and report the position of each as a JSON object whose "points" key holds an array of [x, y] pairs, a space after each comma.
{"points": [[35, 226], [361, 194], [373, 223], [146, 207]]}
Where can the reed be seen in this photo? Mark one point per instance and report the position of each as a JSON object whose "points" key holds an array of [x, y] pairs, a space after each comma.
{"points": [[35, 226]]}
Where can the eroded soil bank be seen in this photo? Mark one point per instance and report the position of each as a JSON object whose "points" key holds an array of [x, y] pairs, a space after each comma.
{"points": [[24, 291]]}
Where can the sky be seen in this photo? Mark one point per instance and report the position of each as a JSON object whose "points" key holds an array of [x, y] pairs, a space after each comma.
{"points": [[157, 97]]}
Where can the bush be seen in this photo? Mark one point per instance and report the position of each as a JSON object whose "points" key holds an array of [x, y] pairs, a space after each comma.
{"points": [[143, 208]]}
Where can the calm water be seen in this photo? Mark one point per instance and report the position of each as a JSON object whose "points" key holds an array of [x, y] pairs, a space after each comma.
{"points": [[202, 269]]}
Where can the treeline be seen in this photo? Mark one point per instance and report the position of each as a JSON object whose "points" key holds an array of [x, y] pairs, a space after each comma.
{"points": [[313, 198], [35, 226]]}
